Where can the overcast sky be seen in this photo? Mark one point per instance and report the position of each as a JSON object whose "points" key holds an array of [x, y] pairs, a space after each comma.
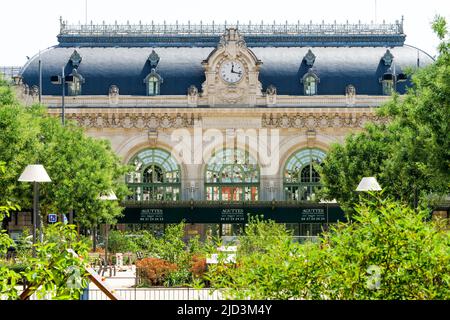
{"points": [[29, 26]]}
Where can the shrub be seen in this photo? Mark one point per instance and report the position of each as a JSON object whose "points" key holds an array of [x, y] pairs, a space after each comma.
{"points": [[119, 241], [154, 271], [198, 266], [389, 251]]}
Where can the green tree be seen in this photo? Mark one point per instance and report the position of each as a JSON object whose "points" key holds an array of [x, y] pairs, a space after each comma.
{"points": [[81, 167], [410, 156]]}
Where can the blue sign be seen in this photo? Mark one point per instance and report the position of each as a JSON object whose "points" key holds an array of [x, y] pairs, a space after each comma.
{"points": [[52, 218]]}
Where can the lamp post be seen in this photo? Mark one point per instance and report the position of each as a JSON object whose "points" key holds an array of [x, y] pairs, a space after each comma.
{"points": [[62, 80], [35, 173], [110, 196]]}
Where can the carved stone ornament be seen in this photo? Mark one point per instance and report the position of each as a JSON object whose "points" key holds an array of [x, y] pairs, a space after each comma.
{"points": [[75, 59], [310, 57], [387, 58], [153, 59], [232, 95], [271, 90], [192, 91], [133, 120], [319, 120], [350, 94], [232, 35], [34, 91], [113, 90]]}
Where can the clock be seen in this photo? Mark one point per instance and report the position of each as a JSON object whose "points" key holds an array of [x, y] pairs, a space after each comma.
{"points": [[231, 71]]}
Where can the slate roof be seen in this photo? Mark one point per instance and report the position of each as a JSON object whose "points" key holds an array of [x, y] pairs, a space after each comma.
{"points": [[337, 64]]}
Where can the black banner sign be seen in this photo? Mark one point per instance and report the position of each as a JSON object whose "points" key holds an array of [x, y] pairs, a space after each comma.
{"points": [[221, 214]]}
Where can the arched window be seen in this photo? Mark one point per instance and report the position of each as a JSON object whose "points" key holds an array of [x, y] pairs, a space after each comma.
{"points": [[388, 87], [232, 175], [301, 179], [310, 86], [153, 86], [310, 81], [153, 82], [156, 176]]}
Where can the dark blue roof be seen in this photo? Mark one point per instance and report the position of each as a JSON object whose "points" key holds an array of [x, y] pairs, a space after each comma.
{"points": [[181, 67]]}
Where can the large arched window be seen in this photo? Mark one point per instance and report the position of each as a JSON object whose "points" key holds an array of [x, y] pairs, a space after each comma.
{"points": [[232, 175], [301, 179], [156, 176]]}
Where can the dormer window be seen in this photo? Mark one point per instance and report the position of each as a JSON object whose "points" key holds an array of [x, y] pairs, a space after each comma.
{"points": [[310, 86], [153, 81], [74, 87], [387, 82], [310, 81]]}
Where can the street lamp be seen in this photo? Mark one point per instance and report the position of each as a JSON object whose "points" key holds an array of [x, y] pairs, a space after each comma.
{"points": [[35, 173], [62, 80], [110, 196], [368, 184]]}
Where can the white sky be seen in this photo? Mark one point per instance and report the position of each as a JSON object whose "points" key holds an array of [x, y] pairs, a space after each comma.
{"points": [[29, 26]]}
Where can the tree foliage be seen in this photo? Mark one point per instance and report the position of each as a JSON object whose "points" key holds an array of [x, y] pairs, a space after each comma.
{"points": [[80, 167], [410, 156], [389, 251], [54, 272]]}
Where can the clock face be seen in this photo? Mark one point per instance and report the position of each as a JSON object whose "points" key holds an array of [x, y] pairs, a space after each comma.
{"points": [[231, 71]]}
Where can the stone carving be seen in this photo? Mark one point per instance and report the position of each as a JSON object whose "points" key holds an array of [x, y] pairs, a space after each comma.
{"points": [[232, 34], [34, 91], [113, 90], [271, 90], [153, 122], [350, 94], [139, 121], [284, 121], [314, 120], [153, 59], [192, 95], [310, 57], [387, 58], [165, 121], [113, 94], [75, 59], [192, 91], [232, 95], [127, 123], [271, 95]]}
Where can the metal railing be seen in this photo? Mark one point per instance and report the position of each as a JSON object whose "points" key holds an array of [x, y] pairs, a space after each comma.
{"points": [[155, 294], [8, 72], [213, 29]]}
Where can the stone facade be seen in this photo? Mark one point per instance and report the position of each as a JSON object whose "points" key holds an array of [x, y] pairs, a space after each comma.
{"points": [[133, 123]]}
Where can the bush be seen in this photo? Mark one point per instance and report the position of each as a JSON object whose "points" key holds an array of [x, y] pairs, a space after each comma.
{"points": [[389, 251], [120, 242], [198, 266], [154, 271]]}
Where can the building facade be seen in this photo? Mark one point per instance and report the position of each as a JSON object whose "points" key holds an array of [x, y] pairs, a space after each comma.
{"points": [[222, 121]]}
